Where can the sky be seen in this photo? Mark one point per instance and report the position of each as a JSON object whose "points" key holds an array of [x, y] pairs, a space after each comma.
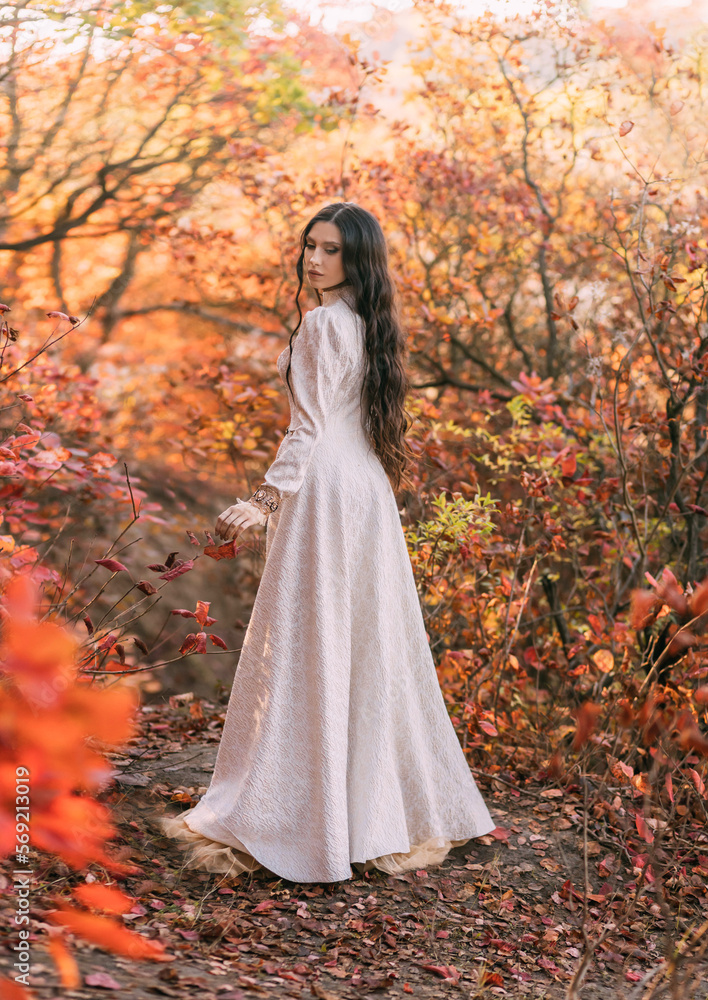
{"points": [[329, 13]]}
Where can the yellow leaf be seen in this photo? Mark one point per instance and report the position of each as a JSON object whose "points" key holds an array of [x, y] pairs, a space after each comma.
{"points": [[604, 660], [7, 543]]}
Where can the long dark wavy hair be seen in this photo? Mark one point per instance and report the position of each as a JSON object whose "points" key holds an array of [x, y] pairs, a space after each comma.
{"points": [[385, 385]]}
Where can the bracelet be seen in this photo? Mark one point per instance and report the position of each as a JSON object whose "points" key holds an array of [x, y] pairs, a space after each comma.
{"points": [[266, 498]]}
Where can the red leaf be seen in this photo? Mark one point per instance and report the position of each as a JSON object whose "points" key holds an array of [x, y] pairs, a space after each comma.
{"points": [[103, 980], [189, 643], [698, 600], [681, 641], [670, 592], [177, 570], [141, 645], [690, 735], [201, 642], [444, 971], [488, 978], [642, 606], [147, 587], [488, 728], [642, 828], [697, 781], [569, 466], [585, 717], [202, 612], [193, 538], [113, 565], [89, 624], [669, 786], [158, 567], [227, 550], [183, 612], [218, 641]]}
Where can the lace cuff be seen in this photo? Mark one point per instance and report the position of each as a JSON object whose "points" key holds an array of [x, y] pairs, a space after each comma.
{"points": [[266, 498]]}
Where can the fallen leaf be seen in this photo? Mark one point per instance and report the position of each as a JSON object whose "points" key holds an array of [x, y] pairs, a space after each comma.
{"points": [[103, 980]]}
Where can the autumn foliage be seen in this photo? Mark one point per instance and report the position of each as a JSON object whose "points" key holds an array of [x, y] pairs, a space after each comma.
{"points": [[542, 187]]}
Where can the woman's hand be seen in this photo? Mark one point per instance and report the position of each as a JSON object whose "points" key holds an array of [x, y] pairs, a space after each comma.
{"points": [[235, 519]]}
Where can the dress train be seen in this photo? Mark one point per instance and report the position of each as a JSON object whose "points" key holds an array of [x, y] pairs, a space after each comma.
{"points": [[211, 856]]}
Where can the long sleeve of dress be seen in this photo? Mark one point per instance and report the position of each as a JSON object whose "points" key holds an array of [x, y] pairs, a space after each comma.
{"points": [[318, 367]]}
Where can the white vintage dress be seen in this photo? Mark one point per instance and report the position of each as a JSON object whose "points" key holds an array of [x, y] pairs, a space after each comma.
{"points": [[337, 747]]}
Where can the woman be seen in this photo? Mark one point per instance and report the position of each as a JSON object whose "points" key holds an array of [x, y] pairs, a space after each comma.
{"points": [[337, 748]]}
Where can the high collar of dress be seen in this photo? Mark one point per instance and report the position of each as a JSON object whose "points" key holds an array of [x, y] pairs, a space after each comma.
{"points": [[331, 295]]}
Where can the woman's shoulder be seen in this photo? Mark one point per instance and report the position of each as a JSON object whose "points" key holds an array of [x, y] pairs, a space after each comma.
{"points": [[333, 318]]}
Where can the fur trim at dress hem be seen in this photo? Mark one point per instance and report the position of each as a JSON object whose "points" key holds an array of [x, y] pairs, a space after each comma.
{"points": [[211, 856]]}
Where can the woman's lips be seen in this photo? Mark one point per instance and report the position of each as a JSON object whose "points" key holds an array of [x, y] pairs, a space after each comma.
{"points": [[316, 274]]}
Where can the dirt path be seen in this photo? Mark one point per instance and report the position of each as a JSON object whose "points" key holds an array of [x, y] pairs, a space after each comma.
{"points": [[501, 917]]}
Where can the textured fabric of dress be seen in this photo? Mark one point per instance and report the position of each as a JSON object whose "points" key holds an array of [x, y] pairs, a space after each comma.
{"points": [[337, 747]]}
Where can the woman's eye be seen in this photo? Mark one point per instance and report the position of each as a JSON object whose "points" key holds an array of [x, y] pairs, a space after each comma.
{"points": [[330, 251]]}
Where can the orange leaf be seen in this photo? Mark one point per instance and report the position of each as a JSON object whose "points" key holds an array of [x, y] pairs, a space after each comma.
{"points": [[604, 661], [108, 933], [65, 962], [640, 782], [11, 990], [202, 612], [103, 897], [34, 652], [73, 827], [227, 550], [108, 715]]}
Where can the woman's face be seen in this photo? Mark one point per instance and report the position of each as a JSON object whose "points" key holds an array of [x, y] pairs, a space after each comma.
{"points": [[323, 256]]}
